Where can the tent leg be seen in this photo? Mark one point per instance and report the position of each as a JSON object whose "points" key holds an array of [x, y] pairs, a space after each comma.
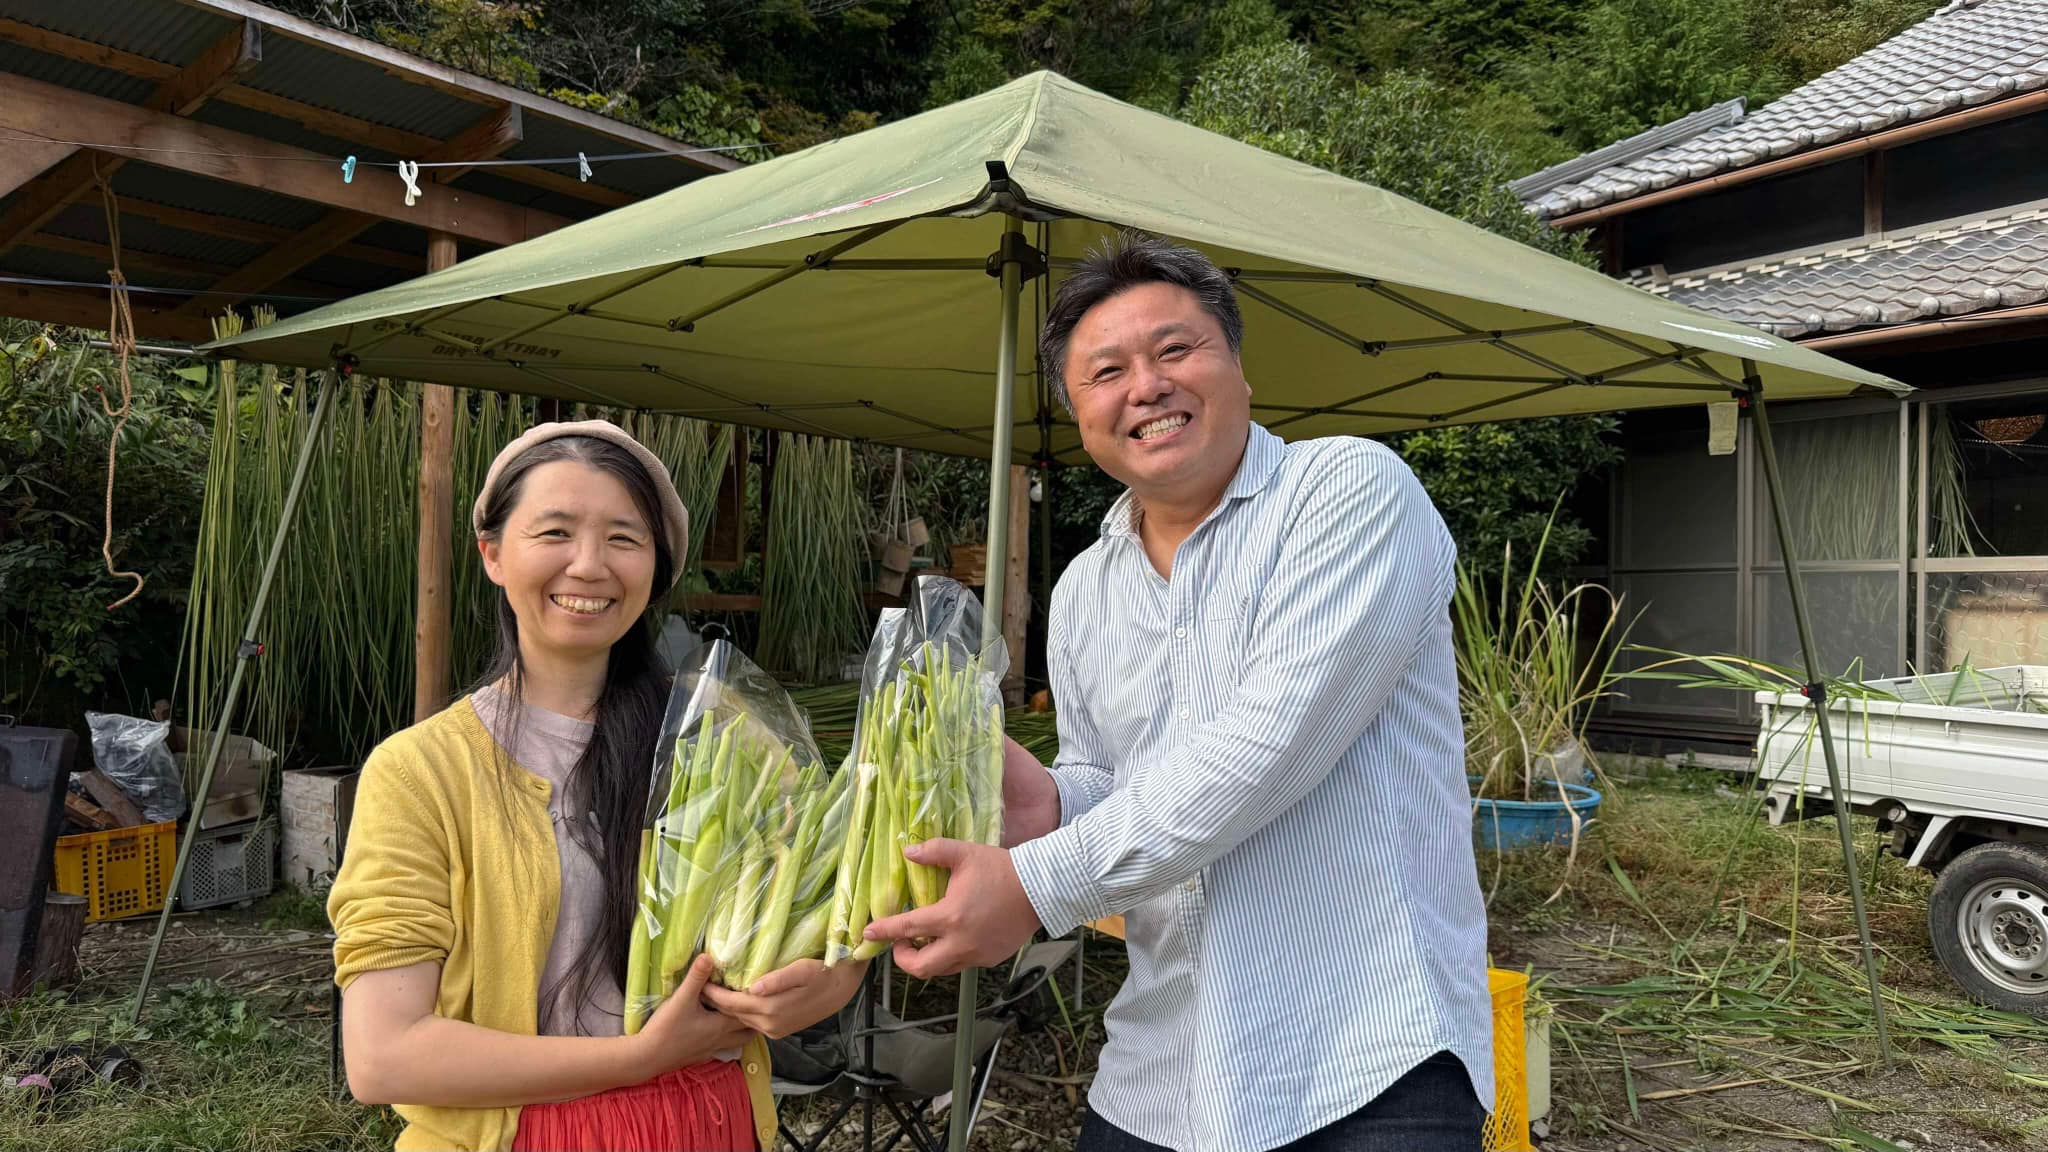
{"points": [[962, 1113], [1820, 709], [247, 651]]}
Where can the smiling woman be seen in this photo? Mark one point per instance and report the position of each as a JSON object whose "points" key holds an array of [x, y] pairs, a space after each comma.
{"points": [[483, 911]]}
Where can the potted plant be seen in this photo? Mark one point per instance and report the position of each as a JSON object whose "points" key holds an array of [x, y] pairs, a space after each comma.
{"points": [[1530, 667]]}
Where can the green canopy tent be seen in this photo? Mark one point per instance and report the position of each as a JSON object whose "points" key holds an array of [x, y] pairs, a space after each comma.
{"points": [[845, 291]]}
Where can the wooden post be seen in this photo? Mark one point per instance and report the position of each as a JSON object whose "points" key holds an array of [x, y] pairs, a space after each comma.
{"points": [[1017, 587], [432, 620]]}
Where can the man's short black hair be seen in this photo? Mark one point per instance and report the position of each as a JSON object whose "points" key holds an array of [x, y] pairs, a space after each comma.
{"points": [[1118, 265]]}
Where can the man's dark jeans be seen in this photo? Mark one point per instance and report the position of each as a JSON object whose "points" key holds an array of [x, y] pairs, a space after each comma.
{"points": [[1431, 1109]]}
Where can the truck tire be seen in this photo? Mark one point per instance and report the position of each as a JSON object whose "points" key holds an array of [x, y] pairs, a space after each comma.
{"points": [[1988, 918]]}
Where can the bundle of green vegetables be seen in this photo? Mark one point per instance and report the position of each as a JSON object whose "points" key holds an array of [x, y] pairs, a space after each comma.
{"points": [[753, 852], [739, 852], [927, 760]]}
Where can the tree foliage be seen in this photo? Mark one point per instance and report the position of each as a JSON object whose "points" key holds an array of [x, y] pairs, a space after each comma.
{"points": [[61, 648]]}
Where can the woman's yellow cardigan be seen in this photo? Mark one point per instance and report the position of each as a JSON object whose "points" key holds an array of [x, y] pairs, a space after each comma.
{"points": [[452, 860]]}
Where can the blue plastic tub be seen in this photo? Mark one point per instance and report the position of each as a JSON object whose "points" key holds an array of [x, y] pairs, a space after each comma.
{"points": [[1508, 825]]}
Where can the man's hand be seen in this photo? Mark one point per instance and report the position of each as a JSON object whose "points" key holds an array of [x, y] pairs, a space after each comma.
{"points": [[789, 1000], [984, 919], [1031, 801]]}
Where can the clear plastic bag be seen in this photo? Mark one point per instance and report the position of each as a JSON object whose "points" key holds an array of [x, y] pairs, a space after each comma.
{"points": [[736, 807], [136, 755], [927, 758]]}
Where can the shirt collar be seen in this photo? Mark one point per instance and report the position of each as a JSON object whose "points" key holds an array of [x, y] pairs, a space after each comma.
{"points": [[1263, 452]]}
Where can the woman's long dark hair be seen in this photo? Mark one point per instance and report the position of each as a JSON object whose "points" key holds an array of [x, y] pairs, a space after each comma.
{"points": [[609, 781]]}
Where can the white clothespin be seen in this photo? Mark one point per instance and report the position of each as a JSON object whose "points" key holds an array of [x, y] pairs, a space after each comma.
{"points": [[582, 168], [409, 171]]}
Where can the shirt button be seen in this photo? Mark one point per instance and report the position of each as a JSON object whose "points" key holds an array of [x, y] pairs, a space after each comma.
{"points": [[1180, 633], [1191, 884], [1186, 713], [753, 1068]]}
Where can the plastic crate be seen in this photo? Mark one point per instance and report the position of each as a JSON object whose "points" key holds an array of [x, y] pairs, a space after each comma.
{"points": [[229, 864], [123, 872], [1507, 1130]]}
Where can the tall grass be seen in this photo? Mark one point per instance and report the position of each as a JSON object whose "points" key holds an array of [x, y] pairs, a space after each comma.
{"points": [[337, 671], [1531, 665], [812, 617]]}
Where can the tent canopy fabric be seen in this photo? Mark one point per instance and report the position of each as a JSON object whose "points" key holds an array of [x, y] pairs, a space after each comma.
{"points": [[845, 290]]}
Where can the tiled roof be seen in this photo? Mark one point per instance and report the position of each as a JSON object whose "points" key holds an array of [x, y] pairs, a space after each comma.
{"points": [[2001, 262], [1969, 53]]}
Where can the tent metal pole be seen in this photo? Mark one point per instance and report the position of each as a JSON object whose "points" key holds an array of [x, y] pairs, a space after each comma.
{"points": [[248, 650], [962, 1116], [1816, 693]]}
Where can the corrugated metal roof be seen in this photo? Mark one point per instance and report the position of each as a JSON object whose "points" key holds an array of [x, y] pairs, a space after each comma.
{"points": [[225, 115], [28, 260], [486, 182], [171, 32], [201, 194], [310, 74], [314, 66], [354, 276], [641, 178], [1969, 53], [86, 221], [71, 74], [1951, 270]]}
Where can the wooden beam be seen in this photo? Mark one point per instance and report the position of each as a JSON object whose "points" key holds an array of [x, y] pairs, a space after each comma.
{"points": [[462, 84], [327, 122], [31, 107], [75, 170], [134, 259], [83, 308], [85, 51], [23, 160], [551, 181], [486, 138], [1873, 193], [433, 609], [332, 232], [228, 58], [255, 232]]}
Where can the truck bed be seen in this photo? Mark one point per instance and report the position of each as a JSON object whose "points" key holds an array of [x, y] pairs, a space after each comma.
{"points": [[1973, 742]]}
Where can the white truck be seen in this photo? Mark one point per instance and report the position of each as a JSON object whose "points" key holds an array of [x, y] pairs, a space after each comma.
{"points": [[1955, 769]]}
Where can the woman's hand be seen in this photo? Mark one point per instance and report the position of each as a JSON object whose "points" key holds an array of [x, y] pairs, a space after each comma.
{"points": [[683, 1031], [791, 999]]}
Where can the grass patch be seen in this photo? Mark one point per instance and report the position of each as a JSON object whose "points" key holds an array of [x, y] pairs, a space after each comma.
{"points": [[225, 1072], [1691, 935]]}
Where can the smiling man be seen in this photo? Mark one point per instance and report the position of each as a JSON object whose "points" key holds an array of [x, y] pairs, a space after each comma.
{"points": [[1261, 761]]}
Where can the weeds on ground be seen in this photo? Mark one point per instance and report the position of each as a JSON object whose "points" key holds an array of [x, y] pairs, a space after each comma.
{"points": [[1733, 946], [223, 1073]]}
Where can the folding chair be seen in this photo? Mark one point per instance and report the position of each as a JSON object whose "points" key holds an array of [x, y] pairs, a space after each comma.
{"points": [[868, 1056]]}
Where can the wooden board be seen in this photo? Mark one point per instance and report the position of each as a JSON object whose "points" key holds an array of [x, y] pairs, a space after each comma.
{"points": [[87, 813], [111, 798]]}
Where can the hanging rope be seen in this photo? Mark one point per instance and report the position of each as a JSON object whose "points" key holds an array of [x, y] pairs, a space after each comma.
{"points": [[121, 336]]}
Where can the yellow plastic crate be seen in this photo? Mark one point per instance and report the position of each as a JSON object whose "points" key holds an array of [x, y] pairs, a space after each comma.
{"points": [[125, 872], [1507, 1130]]}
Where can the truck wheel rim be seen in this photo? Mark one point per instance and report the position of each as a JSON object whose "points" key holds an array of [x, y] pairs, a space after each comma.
{"points": [[2003, 925]]}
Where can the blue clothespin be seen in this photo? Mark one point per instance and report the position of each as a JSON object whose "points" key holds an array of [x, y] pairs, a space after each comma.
{"points": [[348, 170], [582, 168]]}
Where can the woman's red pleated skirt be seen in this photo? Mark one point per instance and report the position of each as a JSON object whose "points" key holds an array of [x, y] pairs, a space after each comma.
{"points": [[702, 1108]]}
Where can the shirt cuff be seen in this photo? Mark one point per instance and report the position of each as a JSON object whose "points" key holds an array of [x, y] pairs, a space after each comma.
{"points": [[1080, 791], [1054, 872]]}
